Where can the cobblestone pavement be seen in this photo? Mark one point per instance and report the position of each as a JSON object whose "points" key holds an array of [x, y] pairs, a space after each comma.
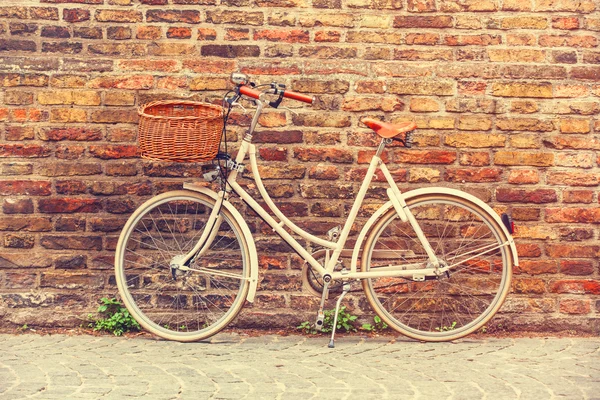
{"points": [[235, 366]]}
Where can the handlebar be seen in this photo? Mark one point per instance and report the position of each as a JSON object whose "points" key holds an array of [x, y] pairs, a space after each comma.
{"points": [[298, 96], [250, 92], [255, 94]]}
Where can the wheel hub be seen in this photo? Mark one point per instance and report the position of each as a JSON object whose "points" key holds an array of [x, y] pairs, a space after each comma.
{"points": [[437, 270], [176, 264]]}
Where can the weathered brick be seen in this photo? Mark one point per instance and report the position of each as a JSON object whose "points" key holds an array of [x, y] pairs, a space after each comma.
{"points": [[72, 281], [76, 15], [520, 23], [444, 21], [119, 16], [17, 206], [328, 52], [425, 157], [108, 152], [25, 187], [524, 124], [514, 55], [523, 158], [324, 154], [574, 215], [527, 176], [586, 73], [538, 267], [69, 205], [518, 89], [335, 20], [30, 224], [536, 196], [473, 175], [475, 140], [230, 51], [575, 286], [17, 45], [578, 196], [575, 178], [235, 17], [576, 267], [118, 49], [322, 120], [424, 87]]}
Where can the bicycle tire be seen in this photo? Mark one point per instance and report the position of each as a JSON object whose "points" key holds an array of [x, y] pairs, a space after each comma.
{"points": [[452, 305], [174, 304]]}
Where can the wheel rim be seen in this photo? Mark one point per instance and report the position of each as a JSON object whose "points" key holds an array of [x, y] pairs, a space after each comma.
{"points": [[457, 303], [174, 303]]}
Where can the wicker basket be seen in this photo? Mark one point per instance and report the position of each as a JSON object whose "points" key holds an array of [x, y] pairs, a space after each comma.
{"points": [[180, 131]]}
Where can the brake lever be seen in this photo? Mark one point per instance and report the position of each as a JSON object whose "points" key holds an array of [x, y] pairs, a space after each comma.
{"points": [[240, 105]]}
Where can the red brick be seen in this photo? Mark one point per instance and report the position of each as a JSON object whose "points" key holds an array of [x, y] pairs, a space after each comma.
{"points": [[179, 33], [423, 22], [537, 196], [24, 150], [273, 153], [575, 306], [76, 15], [69, 205], [425, 157], [576, 287], [576, 215], [323, 154], [537, 267], [576, 267], [572, 251], [292, 36], [473, 175], [177, 16], [23, 187]]}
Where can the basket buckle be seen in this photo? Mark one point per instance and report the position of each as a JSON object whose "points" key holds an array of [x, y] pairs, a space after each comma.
{"points": [[235, 166]]}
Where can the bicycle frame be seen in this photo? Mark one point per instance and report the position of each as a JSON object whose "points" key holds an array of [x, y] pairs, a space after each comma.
{"points": [[396, 199]]}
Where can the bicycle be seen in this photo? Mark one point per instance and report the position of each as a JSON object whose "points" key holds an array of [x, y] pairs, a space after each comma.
{"points": [[435, 263]]}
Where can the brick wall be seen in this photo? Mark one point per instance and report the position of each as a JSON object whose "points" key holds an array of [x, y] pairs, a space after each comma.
{"points": [[505, 94]]}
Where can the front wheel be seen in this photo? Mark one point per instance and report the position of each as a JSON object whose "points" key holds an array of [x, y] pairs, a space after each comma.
{"points": [[464, 237], [183, 304]]}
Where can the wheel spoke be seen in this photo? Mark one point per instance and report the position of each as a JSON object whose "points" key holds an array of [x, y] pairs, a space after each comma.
{"points": [[188, 303], [464, 238]]}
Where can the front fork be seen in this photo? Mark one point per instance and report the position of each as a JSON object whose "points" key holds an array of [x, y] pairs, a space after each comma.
{"points": [[183, 262], [406, 215]]}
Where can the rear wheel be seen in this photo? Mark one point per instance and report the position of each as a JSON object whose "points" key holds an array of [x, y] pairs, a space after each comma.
{"points": [[463, 236], [178, 303]]}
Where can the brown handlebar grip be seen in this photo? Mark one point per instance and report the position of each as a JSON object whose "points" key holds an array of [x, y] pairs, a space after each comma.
{"points": [[298, 96], [248, 91]]}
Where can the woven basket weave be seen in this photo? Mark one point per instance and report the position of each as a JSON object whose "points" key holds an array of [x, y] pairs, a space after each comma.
{"points": [[180, 131]]}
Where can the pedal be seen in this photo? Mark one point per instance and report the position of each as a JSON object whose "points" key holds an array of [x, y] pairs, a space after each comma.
{"points": [[319, 321]]}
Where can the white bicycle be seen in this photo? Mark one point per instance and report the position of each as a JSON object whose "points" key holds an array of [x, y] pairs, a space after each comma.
{"points": [[435, 263]]}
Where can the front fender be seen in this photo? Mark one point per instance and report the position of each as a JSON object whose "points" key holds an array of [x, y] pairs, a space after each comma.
{"points": [[245, 231]]}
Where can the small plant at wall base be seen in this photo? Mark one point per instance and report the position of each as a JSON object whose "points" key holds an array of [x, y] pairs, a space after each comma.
{"points": [[345, 322], [116, 318], [377, 326]]}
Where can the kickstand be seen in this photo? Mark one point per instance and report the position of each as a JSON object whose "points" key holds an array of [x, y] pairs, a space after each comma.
{"points": [[337, 310]]}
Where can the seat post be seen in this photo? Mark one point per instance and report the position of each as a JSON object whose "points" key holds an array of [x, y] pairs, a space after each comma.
{"points": [[382, 146]]}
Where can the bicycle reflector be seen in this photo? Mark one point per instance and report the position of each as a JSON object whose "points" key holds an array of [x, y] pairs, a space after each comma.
{"points": [[508, 223]]}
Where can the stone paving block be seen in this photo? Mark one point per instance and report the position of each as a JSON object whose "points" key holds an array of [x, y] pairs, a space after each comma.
{"points": [[297, 367]]}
